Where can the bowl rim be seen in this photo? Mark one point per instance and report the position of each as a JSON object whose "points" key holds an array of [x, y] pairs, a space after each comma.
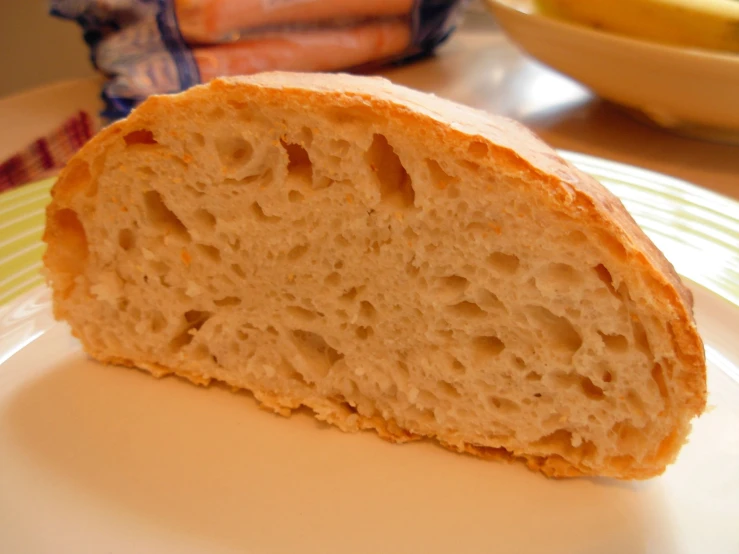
{"points": [[517, 7]]}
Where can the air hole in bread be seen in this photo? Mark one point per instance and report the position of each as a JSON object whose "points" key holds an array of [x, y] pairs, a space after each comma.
{"points": [[210, 252], [364, 332], [629, 437], [403, 369], [659, 378], [590, 389], [258, 212], [470, 166], [158, 323], [439, 178], [640, 337], [636, 403], [349, 295], [489, 300], [427, 398], [236, 268], [448, 389], [340, 147], [607, 376], [297, 252], [487, 346], [478, 149], [200, 352], [72, 256], [333, 279], [558, 330], [341, 240], [605, 276], [466, 309], [354, 115], [205, 218], [227, 301], [577, 238], [561, 276], [458, 367], [305, 137], [520, 362], [78, 172], [295, 196], [318, 354], [192, 191], [411, 269], [477, 227], [392, 179], [194, 320], [505, 264], [303, 314], [533, 376], [367, 311], [614, 343], [453, 285], [233, 242], [342, 314], [126, 239], [233, 152], [159, 267], [140, 136], [198, 139], [161, 217], [298, 161], [504, 404]]}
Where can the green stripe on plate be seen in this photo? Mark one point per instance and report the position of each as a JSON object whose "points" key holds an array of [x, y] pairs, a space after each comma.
{"points": [[21, 226]]}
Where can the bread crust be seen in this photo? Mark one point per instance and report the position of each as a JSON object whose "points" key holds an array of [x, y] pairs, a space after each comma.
{"points": [[567, 191]]}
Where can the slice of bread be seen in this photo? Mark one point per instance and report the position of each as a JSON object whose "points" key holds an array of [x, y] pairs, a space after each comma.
{"points": [[390, 260]]}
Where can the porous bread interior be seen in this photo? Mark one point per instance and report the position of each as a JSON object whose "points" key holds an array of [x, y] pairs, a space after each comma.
{"points": [[319, 258]]}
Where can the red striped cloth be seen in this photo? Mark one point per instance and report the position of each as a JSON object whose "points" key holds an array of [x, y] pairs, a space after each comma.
{"points": [[47, 153]]}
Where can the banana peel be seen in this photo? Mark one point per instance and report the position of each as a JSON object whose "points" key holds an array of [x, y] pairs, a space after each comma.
{"points": [[706, 24]]}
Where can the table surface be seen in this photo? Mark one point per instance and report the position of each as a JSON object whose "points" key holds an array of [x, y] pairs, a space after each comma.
{"points": [[478, 66]]}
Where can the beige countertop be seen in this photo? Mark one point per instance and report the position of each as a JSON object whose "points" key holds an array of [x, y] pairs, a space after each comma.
{"points": [[479, 67]]}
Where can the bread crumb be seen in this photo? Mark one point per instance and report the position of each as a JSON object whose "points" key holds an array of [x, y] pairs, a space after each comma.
{"points": [[193, 289], [413, 394]]}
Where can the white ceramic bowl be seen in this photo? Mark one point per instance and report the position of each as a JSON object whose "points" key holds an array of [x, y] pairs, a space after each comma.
{"points": [[691, 91]]}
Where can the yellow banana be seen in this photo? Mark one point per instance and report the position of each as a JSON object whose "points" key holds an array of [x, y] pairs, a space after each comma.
{"points": [[709, 24]]}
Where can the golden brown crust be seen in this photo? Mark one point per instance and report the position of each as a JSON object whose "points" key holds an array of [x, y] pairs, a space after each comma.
{"points": [[491, 140]]}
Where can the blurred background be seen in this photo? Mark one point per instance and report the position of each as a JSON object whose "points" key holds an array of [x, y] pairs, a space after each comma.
{"points": [[26, 34]]}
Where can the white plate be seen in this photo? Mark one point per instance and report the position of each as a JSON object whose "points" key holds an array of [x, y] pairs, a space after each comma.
{"points": [[687, 90], [102, 459]]}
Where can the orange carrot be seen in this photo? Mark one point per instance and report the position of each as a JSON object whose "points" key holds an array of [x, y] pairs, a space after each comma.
{"points": [[324, 50], [221, 20]]}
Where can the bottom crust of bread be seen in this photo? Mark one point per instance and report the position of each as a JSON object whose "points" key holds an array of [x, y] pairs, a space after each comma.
{"points": [[348, 420]]}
